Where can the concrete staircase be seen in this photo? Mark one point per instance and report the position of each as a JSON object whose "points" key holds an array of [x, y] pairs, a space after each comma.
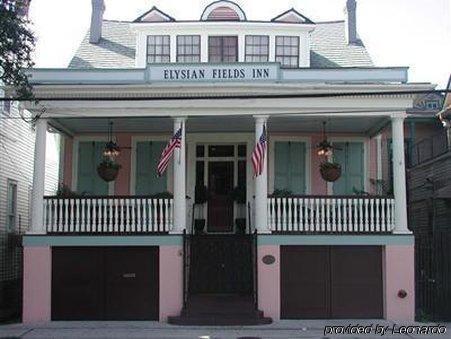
{"points": [[220, 310]]}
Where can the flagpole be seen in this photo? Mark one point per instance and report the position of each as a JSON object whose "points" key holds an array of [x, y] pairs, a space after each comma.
{"points": [[181, 143]]}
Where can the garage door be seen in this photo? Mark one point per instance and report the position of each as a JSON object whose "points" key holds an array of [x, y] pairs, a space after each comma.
{"points": [[105, 283], [320, 282]]}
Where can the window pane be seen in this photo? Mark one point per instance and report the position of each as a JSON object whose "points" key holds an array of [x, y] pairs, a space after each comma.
{"points": [[188, 48], [158, 48], [221, 150], [287, 51], [241, 150]]}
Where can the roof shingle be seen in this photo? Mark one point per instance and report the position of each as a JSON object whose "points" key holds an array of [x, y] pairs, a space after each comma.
{"points": [[116, 48]]}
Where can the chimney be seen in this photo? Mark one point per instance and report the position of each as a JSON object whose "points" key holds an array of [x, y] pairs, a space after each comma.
{"points": [[98, 7], [351, 23]]}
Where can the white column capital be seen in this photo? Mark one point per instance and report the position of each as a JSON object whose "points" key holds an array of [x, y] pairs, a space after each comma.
{"points": [[261, 118], [398, 116], [179, 120]]}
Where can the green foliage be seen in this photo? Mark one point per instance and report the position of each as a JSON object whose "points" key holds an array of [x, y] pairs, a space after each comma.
{"points": [[16, 45], [200, 194], [326, 165], [238, 194], [281, 193], [109, 163], [64, 191]]}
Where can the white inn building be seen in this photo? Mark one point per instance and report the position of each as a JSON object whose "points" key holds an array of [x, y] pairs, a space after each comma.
{"points": [[208, 242]]}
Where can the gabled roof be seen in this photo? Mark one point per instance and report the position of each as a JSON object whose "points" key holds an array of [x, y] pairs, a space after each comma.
{"points": [[292, 16], [154, 15], [116, 48]]}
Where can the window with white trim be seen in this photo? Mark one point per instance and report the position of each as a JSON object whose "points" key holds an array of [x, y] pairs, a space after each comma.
{"points": [[287, 51], [6, 109], [188, 48], [257, 48], [11, 205], [158, 49]]}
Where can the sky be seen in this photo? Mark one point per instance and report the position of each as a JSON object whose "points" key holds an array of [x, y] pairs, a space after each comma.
{"points": [[413, 33]]}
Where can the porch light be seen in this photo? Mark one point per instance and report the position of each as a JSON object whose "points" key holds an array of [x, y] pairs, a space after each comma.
{"points": [[111, 149]]}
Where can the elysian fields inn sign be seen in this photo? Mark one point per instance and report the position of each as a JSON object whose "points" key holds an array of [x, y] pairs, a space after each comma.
{"points": [[212, 72]]}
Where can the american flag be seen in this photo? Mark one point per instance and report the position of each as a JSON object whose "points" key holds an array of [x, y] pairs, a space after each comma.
{"points": [[175, 142], [258, 155]]}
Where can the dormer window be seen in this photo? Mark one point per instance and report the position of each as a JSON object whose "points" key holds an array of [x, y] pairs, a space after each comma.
{"points": [[223, 11], [188, 48], [222, 49], [287, 51], [158, 49], [257, 48]]}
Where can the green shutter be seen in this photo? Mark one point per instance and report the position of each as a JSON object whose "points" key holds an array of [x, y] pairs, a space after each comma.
{"points": [[350, 157], [147, 155], [89, 157], [289, 167]]}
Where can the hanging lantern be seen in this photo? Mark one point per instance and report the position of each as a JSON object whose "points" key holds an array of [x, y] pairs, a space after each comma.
{"points": [[112, 149]]}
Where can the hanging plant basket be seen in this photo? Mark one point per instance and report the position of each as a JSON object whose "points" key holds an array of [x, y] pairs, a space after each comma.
{"points": [[330, 171], [108, 170]]}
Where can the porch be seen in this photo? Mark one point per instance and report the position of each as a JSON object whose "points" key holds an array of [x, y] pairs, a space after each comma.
{"points": [[290, 197], [126, 215]]}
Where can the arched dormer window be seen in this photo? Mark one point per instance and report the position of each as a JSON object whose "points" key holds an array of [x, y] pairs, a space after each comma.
{"points": [[223, 11]]}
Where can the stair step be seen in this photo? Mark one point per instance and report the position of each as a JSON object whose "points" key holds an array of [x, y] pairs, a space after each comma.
{"points": [[218, 321]]}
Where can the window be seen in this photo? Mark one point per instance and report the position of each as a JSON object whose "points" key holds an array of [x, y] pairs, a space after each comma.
{"points": [[147, 156], [222, 49], [90, 154], [188, 48], [287, 51], [11, 205], [257, 48], [289, 166], [158, 49], [6, 107], [432, 104], [350, 155]]}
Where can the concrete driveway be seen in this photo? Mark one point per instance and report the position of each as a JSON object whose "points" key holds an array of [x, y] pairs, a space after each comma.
{"points": [[281, 329]]}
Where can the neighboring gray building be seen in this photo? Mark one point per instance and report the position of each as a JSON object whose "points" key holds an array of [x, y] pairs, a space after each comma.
{"points": [[16, 178]]}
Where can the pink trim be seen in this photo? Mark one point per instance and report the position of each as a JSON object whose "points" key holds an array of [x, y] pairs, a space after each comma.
{"points": [[319, 186], [269, 282], [399, 275], [37, 273], [122, 182], [171, 281]]}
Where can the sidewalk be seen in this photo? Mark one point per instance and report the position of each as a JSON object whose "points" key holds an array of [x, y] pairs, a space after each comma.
{"points": [[135, 329]]}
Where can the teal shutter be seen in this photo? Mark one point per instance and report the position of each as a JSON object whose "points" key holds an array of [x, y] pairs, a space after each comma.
{"points": [[289, 167], [89, 157], [147, 155], [350, 157]]}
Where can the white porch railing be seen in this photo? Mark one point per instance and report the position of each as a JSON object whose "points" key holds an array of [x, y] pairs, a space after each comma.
{"points": [[125, 214], [331, 214]]}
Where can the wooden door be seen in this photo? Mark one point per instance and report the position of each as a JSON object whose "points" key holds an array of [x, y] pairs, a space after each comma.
{"points": [[220, 205], [105, 283], [331, 282]]}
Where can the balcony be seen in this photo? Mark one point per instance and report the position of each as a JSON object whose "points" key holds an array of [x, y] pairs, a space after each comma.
{"points": [[331, 215], [120, 215]]}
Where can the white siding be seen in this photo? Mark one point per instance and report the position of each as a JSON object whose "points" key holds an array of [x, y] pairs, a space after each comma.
{"points": [[16, 163]]}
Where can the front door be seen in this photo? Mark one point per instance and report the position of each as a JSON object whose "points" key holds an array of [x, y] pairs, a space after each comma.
{"points": [[220, 204]]}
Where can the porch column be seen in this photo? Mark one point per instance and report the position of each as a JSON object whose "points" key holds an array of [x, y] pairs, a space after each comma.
{"points": [[37, 197], [399, 174], [179, 180], [261, 183]]}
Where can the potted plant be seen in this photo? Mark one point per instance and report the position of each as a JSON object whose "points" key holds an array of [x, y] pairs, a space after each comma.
{"points": [[200, 198], [330, 171], [108, 169], [238, 195]]}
